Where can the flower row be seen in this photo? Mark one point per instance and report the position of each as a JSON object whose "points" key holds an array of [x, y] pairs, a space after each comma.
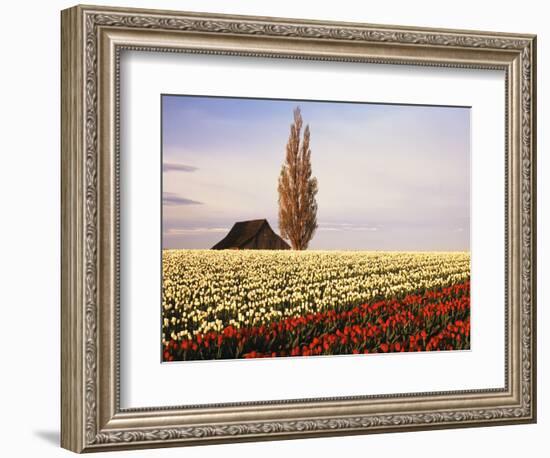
{"points": [[435, 320], [206, 291]]}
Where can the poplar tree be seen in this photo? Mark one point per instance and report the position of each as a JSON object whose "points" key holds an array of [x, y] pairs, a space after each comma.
{"points": [[297, 188]]}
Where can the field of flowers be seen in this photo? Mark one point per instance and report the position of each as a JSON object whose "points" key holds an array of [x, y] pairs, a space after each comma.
{"points": [[253, 303]]}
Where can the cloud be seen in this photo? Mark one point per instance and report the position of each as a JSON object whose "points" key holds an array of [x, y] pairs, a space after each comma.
{"points": [[196, 230], [346, 227], [169, 198], [172, 167]]}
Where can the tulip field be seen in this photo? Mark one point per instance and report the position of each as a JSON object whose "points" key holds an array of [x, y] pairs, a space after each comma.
{"points": [[267, 303]]}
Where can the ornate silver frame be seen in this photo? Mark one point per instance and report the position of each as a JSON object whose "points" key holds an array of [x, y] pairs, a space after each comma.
{"points": [[92, 39]]}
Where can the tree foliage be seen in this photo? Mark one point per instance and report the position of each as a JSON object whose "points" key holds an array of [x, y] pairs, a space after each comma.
{"points": [[297, 188]]}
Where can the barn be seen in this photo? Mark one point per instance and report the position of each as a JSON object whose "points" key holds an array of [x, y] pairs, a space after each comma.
{"points": [[251, 235]]}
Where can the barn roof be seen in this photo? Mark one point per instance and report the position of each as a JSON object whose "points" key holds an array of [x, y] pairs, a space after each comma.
{"points": [[240, 233]]}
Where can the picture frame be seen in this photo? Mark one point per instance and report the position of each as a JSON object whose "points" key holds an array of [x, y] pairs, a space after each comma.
{"points": [[93, 39]]}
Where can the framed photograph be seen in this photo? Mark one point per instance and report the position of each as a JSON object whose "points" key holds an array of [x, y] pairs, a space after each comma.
{"points": [[278, 228]]}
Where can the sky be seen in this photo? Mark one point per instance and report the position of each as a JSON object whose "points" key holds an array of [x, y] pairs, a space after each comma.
{"points": [[390, 177]]}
